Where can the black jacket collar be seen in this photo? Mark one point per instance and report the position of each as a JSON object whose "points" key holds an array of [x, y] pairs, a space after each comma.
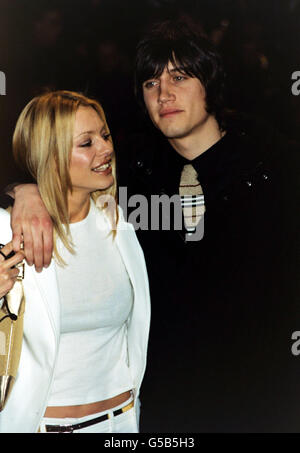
{"points": [[236, 159]]}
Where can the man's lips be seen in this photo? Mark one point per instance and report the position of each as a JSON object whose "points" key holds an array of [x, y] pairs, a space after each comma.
{"points": [[169, 112]]}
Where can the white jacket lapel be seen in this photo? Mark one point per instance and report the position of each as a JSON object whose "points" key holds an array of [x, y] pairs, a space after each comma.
{"points": [[46, 282]]}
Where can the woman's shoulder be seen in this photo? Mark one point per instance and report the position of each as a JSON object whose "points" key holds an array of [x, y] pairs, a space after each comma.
{"points": [[4, 215], [5, 229]]}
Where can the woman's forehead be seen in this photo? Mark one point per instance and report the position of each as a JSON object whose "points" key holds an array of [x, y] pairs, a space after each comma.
{"points": [[87, 120]]}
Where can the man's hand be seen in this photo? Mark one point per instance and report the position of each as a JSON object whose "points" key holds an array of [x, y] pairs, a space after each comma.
{"points": [[32, 225]]}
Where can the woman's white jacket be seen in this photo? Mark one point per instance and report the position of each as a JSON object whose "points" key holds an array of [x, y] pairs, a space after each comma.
{"points": [[28, 400]]}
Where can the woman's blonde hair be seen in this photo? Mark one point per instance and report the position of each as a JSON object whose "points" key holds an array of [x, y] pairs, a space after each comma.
{"points": [[42, 145]]}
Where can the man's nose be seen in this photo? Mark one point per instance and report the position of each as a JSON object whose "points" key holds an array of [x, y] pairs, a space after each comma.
{"points": [[166, 92]]}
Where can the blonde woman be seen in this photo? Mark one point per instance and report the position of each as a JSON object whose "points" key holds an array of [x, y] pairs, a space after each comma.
{"points": [[87, 315]]}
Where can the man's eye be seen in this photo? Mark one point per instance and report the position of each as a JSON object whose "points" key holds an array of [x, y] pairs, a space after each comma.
{"points": [[150, 84], [179, 78]]}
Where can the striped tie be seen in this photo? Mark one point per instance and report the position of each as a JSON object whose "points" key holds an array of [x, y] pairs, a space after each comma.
{"points": [[192, 198]]}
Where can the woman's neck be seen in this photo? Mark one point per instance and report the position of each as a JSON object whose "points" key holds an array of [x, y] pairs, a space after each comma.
{"points": [[79, 207]]}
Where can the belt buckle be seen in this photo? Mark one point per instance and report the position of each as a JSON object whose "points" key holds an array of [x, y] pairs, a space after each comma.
{"points": [[59, 429], [67, 429]]}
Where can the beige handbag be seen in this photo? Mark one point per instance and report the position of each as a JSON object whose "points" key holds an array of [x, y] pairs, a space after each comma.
{"points": [[11, 336]]}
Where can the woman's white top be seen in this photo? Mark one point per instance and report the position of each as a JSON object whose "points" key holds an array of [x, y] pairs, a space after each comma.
{"points": [[29, 398], [96, 300]]}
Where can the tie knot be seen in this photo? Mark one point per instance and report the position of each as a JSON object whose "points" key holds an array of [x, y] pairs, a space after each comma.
{"points": [[189, 184], [189, 174], [192, 198]]}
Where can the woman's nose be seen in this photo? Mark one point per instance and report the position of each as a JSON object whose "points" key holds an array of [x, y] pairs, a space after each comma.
{"points": [[103, 146]]}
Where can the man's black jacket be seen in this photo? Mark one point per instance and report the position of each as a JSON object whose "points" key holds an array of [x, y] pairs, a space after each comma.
{"points": [[224, 309]]}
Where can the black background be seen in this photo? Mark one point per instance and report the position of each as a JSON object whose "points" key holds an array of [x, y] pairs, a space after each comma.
{"points": [[89, 46]]}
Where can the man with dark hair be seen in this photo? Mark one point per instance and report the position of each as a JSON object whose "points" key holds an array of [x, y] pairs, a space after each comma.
{"points": [[225, 302], [223, 307], [190, 54]]}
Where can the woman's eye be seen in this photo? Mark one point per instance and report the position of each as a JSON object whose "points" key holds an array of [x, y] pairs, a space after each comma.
{"points": [[86, 144], [106, 136]]}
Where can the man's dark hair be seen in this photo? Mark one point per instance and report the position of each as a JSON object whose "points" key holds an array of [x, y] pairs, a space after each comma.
{"points": [[181, 44]]}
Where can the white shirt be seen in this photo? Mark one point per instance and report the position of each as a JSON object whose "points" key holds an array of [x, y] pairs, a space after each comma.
{"points": [[96, 300]]}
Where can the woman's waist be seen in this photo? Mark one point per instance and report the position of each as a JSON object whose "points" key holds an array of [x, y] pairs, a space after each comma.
{"points": [[81, 410]]}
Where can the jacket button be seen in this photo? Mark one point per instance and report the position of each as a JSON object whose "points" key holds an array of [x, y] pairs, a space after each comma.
{"points": [[140, 163]]}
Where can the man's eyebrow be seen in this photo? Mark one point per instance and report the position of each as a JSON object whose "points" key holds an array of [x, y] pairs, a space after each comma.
{"points": [[180, 69]]}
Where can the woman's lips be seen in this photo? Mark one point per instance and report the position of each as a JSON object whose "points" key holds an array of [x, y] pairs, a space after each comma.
{"points": [[104, 169], [107, 171]]}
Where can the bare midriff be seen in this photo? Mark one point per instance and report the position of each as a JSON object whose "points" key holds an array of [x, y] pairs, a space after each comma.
{"points": [[86, 409]]}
